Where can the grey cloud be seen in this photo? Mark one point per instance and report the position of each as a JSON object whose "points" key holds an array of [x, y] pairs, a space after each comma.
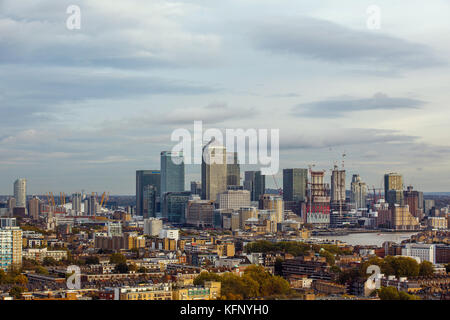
{"points": [[342, 137], [211, 114], [136, 35], [331, 42], [338, 107], [36, 93]]}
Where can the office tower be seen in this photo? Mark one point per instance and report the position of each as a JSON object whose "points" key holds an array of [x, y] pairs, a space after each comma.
{"points": [[255, 182], [76, 202], [34, 206], [196, 187], [233, 169], [91, 202], [20, 193], [414, 199], [214, 170], [338, 186], [149, 201], [144, 178], [246, 213], [358, 192], [200, 213], [114, 229], [273, 202], [402, 219], [11, 205], [428, 204], [395, 197], [318, 208], [392, 181], [11, 244], [85, 206], [172, 172], [152, 226], [233, 199], [174, 206], [295, 182], [8, 222]]}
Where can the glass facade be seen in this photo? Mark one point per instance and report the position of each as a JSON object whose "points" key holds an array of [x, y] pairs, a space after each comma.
{"points": [[145, 178], [174, 206], [172, 172], [295, 183]]}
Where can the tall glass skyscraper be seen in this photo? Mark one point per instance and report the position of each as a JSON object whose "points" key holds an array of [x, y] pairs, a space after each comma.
{"points": [[233, 169], [214, 170], [295, 183], [146, 178], [20, 192], [255, 182], [172, 172]]}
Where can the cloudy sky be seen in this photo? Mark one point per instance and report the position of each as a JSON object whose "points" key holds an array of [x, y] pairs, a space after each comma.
{"points": [[84, 109]]}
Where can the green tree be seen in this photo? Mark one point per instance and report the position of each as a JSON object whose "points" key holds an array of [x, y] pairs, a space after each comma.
{"points": [[117, 258], [21, 279], [328, 256], [92, 260], [41, 270], [391, 293], [426, 269], [16, 292], [121, 268], [49, 261], [206, 276]]}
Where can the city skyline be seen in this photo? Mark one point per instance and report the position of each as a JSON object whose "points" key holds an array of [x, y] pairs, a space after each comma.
{"points": [[96, 104]]}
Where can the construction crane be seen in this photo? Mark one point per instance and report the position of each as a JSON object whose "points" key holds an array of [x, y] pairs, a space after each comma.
{"points": [[103, 199], [375, 199]]}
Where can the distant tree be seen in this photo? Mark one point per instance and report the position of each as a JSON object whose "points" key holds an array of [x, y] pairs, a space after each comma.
{"points": [[49, 261], [391, 293], [328, 256], [132, 267], [92, 260], [388, 293], [206, 276], [345, 276], [121, 268], [117, 258], [41, 270], [278, 266], [16, 292], [21, 279], [393, 265], [426, 268]]}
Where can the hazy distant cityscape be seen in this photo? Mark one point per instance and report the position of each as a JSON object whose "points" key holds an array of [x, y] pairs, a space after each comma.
{"points": [[309, 238], [234, 157]]}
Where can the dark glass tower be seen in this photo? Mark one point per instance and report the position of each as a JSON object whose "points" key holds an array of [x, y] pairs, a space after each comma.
{"points": [[295, 183], [145, 178], [172, 172], [255, 182]]}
